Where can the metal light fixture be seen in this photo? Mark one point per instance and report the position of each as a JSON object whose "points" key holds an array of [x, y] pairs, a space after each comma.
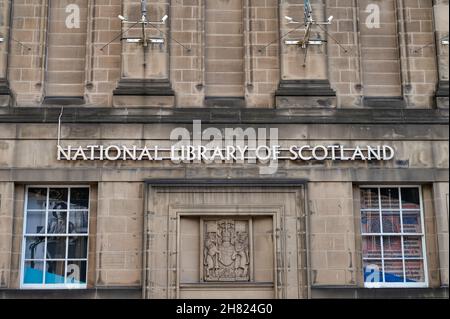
{"points": [[309, 23], [291, 20], [156, 40], [144, 24], [316, 42], [134, 40]]}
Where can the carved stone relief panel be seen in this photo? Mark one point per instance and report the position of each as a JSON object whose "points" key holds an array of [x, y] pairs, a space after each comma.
{"points": [[226, 250]]}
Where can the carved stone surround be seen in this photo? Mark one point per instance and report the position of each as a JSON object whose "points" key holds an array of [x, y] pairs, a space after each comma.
{"points": [[226, 259]]}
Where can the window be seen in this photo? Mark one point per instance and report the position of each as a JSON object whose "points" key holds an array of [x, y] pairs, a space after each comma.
{"points": [[393, 241], [55, 243]]}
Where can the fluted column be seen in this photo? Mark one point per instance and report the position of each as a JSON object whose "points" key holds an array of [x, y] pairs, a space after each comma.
{"points": [[303, 84], [145, 69], [5, 7]]}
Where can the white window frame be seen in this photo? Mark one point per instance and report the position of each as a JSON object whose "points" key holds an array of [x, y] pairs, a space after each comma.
{"points": [[424, 284], [25, 235]]}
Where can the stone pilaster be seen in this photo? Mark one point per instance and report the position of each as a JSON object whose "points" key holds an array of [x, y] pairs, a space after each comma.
{"points": [[4, 40], [417, 53], [118, 234], [441, 204], [381, 30], [6, 231], [303, 84], [145, 68], [441, 30]]}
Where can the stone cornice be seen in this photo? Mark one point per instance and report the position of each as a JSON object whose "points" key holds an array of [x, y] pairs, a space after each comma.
{"points": [[224, 115]]}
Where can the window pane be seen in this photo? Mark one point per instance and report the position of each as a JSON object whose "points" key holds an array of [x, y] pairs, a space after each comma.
{"points": [[393, 271], [370, 222], [55, 272], [392, 246], [369, 198], [389, 198], [33, 272], [57, 222], [34, 247], [373, 271], [78, 222], [413, 247], [76, 272], [78, 247], [411, 222], [391, 222], [410, 198], [414, 271], [35, 222], [56, 247], [58, 198], [79, 198], [37, 198], [371, 247]]}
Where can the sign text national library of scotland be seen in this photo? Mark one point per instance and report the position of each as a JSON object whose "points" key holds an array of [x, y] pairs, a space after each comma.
{"points": [[188, 153]]}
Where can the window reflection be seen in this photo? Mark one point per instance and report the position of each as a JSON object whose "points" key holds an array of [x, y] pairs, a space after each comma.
{"points": [[79, 198], [58, 198], [37, 198], [392, 236], [35, 222], [57, 223], [78, 222], [50, 256]]}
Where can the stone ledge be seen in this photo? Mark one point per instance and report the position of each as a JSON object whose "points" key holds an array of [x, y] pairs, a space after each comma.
{"points": [[225, 102], [305, 94], [89, 293], [442, 95], [231, 182], [63, 100], [5, 93], [144, 87], [350, 292], [224, 115], [305, 88], [144, 92], [384, 102], [4, 87], [114, 174], [442, 89]]}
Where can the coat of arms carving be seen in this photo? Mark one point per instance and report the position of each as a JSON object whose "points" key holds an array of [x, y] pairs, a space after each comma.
{"points": [[226, 250]]}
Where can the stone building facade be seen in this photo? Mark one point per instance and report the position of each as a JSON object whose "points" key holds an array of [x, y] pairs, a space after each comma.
{"points": [[94, 202]]}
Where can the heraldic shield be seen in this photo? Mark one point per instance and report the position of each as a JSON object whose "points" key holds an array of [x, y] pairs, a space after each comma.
{"points": [[226, 250]]}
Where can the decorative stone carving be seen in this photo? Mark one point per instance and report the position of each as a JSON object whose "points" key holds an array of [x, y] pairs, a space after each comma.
{"points": [[226, 250]]}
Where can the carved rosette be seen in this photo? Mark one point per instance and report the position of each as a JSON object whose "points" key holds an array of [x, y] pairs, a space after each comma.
{"points": [[226, 250]]}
